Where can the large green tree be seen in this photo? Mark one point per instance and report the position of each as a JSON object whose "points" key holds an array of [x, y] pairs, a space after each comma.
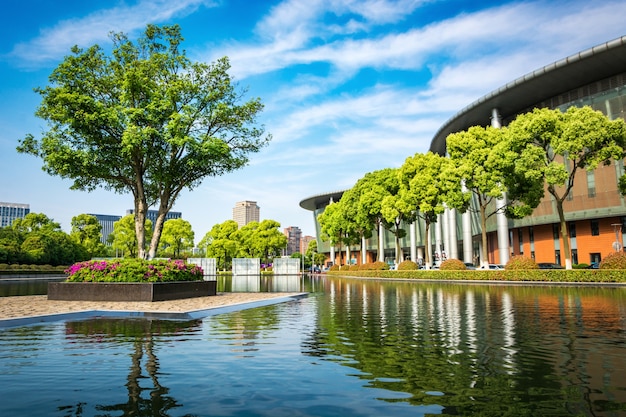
{"points": [[221, 242], [479, 167], [144, 120], [547, 148], [87, 231], [177, 235], [124, 237], [425, 186]]}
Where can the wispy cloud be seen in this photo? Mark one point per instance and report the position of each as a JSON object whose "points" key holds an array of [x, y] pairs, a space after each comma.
{"points": [[55, 42]]}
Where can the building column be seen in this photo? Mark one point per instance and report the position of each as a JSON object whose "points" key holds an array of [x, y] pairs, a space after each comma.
{"points": [[332, 253], [468, 252], [501, 220], [437, 227], [381, 243], [445, 230], [453, 238], [363, 250], [413, 242]]}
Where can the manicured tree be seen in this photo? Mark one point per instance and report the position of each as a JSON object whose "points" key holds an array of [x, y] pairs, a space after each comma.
{"points": [[396, 210], [424, 186], [220, 242], [547, 148], [333, 224], [268, 239], [375, 186], [477, 164], [360, 226], [87, 232], [178, 235], [144, 120], [124, 237]]}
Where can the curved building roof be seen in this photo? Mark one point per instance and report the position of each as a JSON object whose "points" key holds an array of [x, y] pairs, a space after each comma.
{"points": [[597, 63], [320, 200]]}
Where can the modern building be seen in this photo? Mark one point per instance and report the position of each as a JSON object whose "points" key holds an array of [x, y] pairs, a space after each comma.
{"points": [[106, 221], [153, 214], [294, 236], [245, 212], [595, 210], [304, 243], [12, 211]]}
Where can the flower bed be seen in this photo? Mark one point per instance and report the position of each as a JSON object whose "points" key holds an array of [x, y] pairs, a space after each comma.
{"points": [[133, 270], [131, 280]]}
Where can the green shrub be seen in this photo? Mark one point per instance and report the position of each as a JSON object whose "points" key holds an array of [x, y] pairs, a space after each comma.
{"points": [[133, 270], [344, 268], [334, 268], [580, 266], [452, 265], [407, 266], [616, 260], [521, 263]]}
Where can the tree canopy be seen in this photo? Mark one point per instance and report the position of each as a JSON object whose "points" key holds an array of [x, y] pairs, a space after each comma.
{"points": [[144, 120], [548, 148]]}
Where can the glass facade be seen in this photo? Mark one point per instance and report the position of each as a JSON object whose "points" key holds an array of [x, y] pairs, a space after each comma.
{"points": [[12, 211]]}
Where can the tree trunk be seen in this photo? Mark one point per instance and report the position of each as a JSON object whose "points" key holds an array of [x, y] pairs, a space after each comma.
{"points": [[564, 234]]}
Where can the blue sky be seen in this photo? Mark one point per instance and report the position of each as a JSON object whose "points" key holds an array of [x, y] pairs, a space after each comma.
{"points": [[349, 87]]}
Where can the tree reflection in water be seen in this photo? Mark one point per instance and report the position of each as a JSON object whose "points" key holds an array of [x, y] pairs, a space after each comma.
{"points": [[141, 333]]}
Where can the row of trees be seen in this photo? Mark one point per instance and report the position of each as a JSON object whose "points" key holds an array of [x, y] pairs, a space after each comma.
{"points": [[37, 239], [504, 170], [227, 240]]}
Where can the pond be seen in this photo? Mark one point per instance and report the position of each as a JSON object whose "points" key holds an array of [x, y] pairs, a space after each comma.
{"points": [[351, 348]]}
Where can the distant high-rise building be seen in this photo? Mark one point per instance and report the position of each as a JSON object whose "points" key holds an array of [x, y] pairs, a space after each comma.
{"points": [[245, 212], [304, 243], [153, 214], [12, 211], [293, 234], [106, 221]]}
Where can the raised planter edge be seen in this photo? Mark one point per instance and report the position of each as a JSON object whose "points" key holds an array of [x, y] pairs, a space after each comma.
{"points": [[130, 291]]}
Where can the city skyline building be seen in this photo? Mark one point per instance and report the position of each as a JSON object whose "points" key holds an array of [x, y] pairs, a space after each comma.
{"points": [[294, 236], [11, 211], [106, 221], [245, 212]]}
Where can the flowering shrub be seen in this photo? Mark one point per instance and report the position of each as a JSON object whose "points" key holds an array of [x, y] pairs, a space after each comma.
{"points": [[133, 270], [452, 265], [407, 266], [521, 262], [616, 260]]}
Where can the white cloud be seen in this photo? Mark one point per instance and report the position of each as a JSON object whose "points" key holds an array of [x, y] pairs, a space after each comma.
{"points": [[55, 42]]}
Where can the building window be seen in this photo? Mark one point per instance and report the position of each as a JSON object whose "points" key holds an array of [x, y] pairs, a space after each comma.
{"points": [[531, 235], [591, 184], [555, 231], [595, 228], [595, 258], [557, 257], [520, 237], [574, 256], [572, 229], [532, 255]]}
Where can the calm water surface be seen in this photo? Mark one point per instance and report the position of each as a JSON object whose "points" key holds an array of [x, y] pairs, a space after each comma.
{"points": [[352, 348]]}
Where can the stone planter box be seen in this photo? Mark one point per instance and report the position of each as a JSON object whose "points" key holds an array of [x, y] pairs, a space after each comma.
{"points": [[130, 291]]}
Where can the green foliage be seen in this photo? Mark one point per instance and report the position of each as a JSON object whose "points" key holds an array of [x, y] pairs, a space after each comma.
{"points": [[177, 236], [87, 231], [344, 268], [529, 275], [452, 265], [133, 270], [615, 260], [407, 266], [521, 262], [144, 120], [334, 268], [125, 237]]}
